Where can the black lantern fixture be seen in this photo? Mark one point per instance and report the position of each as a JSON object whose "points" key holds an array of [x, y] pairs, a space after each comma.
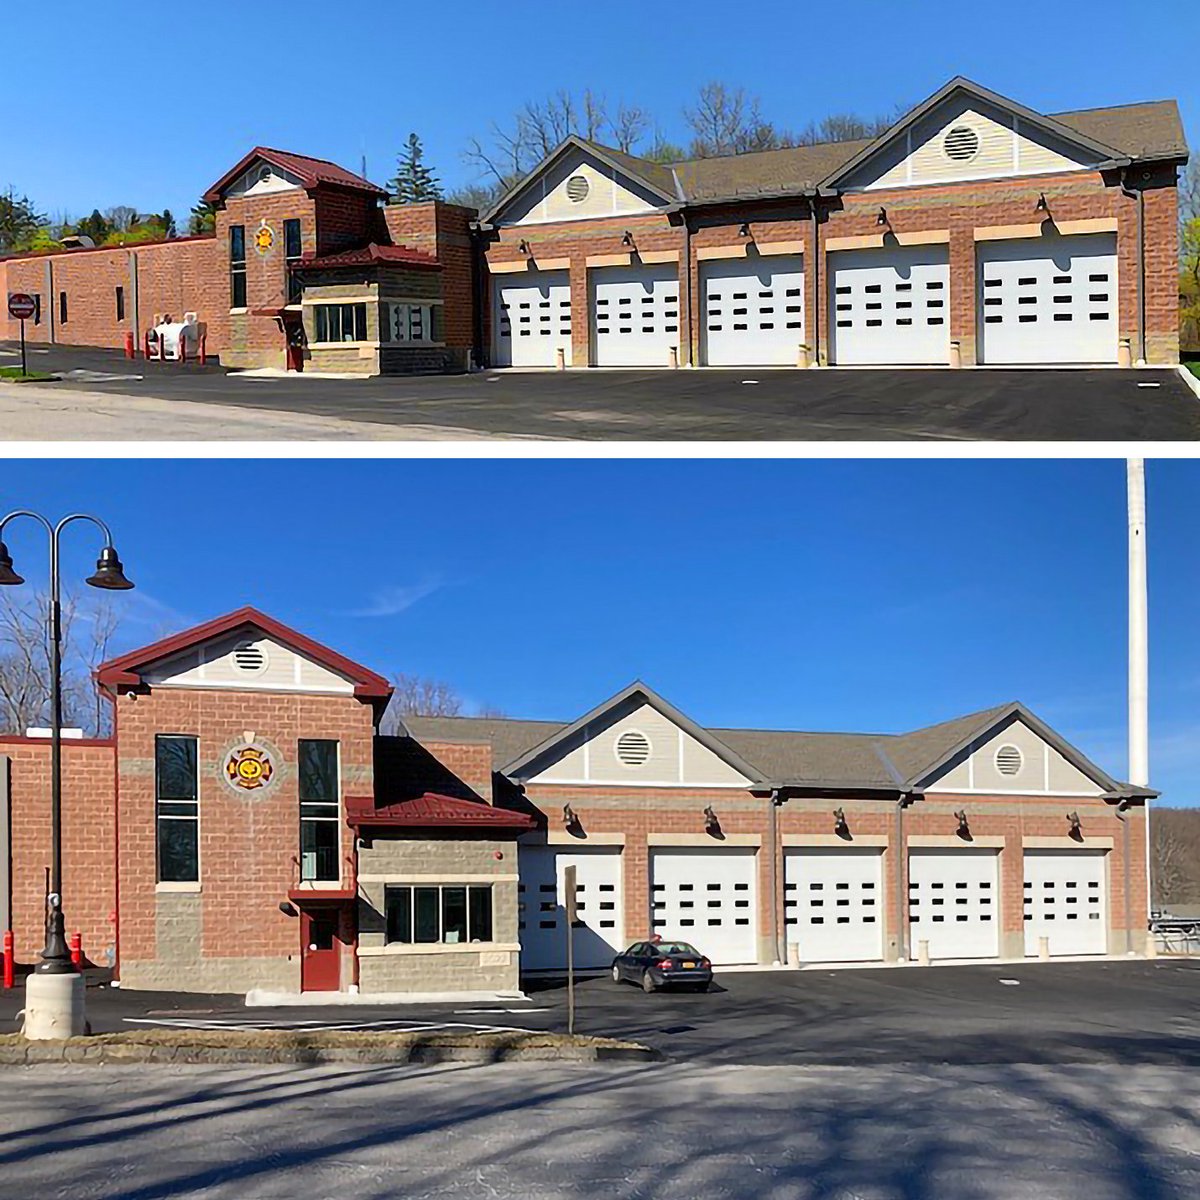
{"points": [[627, 239], [110, 574], [712, 823], [8, 577], [964, 829], [525, 248], [570, 818], [744, 229], [840, 826], [1041, 205], [881, 218], [1074, 826]]}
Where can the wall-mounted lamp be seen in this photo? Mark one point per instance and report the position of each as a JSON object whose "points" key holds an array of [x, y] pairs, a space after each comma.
{"points": [[1041, 205], [840, 827], [964, 829], [1075, 827], [881, 218], [569, 817], [288, 908], [627, 239], [525, 248], [744, 229], [712, 823]]}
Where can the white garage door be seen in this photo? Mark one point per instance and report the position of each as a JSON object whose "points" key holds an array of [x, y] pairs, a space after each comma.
{"points": [[708, 898], [954, 902], [1065, 901], [1049, 300], [531, 318], [753, 312], [542, 917], [635, 315], [833, 903], [890, 305]]}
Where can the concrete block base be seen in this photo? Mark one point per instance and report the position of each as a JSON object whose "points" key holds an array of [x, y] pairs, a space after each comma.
{"points": [[54, 1006]]}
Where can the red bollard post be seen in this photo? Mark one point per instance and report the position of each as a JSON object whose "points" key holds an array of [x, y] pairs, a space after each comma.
{"points": [[10, 954], [130, 352], [77, 949], [203, 349]]}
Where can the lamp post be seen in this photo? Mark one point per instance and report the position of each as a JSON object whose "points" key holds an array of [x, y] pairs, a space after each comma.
{"points": [[54, 992]]}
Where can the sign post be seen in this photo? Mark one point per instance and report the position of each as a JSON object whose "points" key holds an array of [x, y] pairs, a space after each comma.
{"points": [[569, 884], [22, 306]]}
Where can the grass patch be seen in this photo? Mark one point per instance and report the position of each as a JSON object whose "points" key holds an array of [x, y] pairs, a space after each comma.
{"points": [[332, 1039], [18, 376]]}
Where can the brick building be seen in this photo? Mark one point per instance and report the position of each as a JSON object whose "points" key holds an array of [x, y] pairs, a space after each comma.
{"points": [[247, 826], [973, 231]]}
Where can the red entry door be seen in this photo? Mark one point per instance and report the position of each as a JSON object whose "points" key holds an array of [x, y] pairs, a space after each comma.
{"points": [[320, 960]]}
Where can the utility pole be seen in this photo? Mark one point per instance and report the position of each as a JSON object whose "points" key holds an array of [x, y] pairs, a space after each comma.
{"points": [[1139, 722]]}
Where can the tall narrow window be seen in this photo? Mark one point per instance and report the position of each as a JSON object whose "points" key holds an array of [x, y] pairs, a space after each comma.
{"points": [[291, 253], [237, 266], [177, 809], [319, 811], [62, 308], [120, 304]]}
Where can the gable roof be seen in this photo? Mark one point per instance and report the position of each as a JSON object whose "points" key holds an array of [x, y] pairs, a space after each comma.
{"points": [[433, 811], [653, 176], [125, 670], [887, 762], [312, 172]]}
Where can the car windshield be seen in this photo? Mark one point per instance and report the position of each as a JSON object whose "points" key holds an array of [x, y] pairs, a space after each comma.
{"points": [[675, 949]]}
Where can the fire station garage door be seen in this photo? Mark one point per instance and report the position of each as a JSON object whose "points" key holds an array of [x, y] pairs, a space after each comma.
{"points": [[709, 898], [753, 312], [542, 917], [1049, 300], [890, 305], [1065, 901], [954, 902], [531, 319], [635, 314], [833, 903]]}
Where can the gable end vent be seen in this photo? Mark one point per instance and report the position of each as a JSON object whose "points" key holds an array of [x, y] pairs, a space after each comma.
{"points": [[249, 659], [961, 144], [1009, 760], [577, 189], [632, 748]]}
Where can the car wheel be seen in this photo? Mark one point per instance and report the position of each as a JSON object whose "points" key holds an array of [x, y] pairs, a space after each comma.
{"points": [[647, 982], [616, 973]]}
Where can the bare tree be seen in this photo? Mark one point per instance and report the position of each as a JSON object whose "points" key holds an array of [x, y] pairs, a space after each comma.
{"points": [[843, 127], [725, 120], [25, 663], [1189, 192], [418, 696], [121, 216], [630, 127], [1175, 855]]}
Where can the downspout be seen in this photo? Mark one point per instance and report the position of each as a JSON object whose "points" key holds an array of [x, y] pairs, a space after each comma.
{"points": [[773, 838], [687, 297], [1125, 874], [1140, 196], [816, 269], [135, 308], [50, 315], [901, 907], [478, 290], [112, 699]]}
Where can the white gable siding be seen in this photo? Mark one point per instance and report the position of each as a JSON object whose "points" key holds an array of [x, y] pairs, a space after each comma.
{"points": [[211, 666], [1007, 147], [1044, 771], [675, 758], [252, 184], [609, 194]]}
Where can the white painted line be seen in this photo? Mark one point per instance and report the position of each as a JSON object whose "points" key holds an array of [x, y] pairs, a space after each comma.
{"points": [[1149, 385], [1011, 982], [754, 381]]}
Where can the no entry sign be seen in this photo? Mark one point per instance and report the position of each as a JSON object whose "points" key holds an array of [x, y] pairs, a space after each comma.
{"points": [[21, 305]]}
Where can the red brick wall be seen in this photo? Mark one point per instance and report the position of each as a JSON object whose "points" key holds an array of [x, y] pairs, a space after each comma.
{"points": [[88, 825], [470, 761], [247, 839]]}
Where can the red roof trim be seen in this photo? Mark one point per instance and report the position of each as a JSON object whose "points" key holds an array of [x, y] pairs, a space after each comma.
{"points": [[125, 669], [432, 811], [369, 255], [312, 172], [322, 895]]}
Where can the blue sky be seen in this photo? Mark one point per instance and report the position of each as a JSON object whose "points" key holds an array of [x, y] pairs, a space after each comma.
{"points": [[126, 112], [865, 595]]}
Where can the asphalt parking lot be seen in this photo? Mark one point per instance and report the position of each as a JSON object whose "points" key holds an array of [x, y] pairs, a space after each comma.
{"points": [[1110, 1012], [747, 404]]}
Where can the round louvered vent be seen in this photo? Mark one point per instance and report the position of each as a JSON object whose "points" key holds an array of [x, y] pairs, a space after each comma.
{"points": [[961, 144], [633, 748], [250, 659], [577, 189], [1009, 760]]}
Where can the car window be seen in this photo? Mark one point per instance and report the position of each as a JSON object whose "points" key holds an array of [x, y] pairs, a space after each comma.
{"points": [[677, 948], [636, 950]]}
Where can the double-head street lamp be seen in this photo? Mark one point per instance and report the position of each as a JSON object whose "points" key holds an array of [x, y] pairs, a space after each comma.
{"points": [[109, 576]]}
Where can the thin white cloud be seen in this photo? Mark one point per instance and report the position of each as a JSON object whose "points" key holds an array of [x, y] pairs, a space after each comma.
{"points": [[393, 600]]}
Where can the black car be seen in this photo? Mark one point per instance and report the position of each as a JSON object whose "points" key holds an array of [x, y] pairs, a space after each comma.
{"points": [[663, 964]]}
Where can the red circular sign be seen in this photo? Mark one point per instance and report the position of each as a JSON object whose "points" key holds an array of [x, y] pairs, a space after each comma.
{"points": [[21, 305]]}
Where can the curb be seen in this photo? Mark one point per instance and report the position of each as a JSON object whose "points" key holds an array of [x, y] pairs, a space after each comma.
{"points": [[40, 1053]]}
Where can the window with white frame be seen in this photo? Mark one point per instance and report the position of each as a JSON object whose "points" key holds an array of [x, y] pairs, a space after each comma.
{"points": [[449, 914], [176, 809], [409, 323], [341, 322], [319, 811]]}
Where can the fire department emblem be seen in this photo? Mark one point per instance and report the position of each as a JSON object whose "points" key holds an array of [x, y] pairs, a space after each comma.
{"points": [[249, 768], [264, 238]]}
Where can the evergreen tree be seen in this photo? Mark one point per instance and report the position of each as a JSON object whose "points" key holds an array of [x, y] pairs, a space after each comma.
{"points": [[203, 218], [95, 227], [414, 181], [19, 220]]}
